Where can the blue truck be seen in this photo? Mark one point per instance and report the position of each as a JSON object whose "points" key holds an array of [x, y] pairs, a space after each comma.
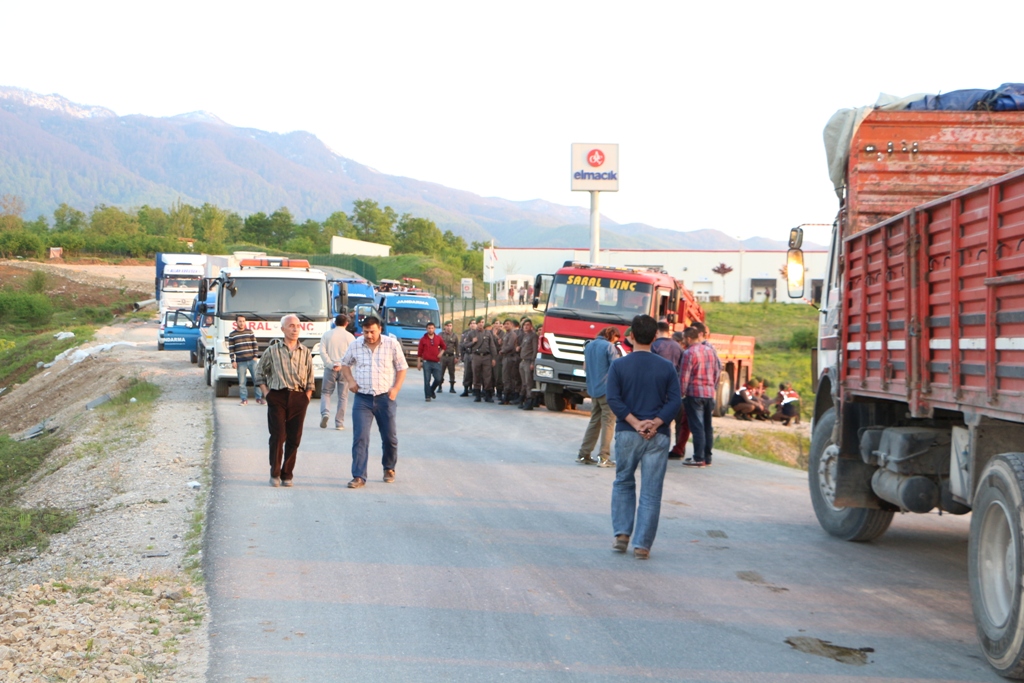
{"points": [[359, 293], [180, 329], [404, 316]]}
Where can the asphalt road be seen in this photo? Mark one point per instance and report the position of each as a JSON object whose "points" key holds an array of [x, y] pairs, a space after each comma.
{"points": [[490, 559]]}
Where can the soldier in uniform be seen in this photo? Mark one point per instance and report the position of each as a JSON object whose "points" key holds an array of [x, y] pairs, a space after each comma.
{"points": [[499, 381], [481, 347], [527, 355], [451, 352], [467, 360], [510, 362]]}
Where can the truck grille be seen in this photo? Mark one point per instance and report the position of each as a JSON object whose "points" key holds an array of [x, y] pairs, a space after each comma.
{"points": [[567, 348]]}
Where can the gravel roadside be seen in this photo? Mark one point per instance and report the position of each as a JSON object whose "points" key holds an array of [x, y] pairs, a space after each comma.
{"points": [[119, 597]]}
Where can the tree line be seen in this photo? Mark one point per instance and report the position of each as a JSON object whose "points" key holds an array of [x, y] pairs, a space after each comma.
{"points": [[140, 233]]}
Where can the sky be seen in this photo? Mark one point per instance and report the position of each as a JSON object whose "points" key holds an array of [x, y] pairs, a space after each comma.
{"points": [[717, 108]]}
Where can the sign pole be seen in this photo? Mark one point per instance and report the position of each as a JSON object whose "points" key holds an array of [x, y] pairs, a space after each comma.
{"points": [[595, 227]]}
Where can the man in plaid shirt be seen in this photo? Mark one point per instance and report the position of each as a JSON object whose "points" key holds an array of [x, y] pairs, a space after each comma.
{"points": [[699, 382], [374, 367]]}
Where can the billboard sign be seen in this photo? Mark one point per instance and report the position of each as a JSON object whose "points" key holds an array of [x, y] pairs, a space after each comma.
{"points": [[467, 288], [595, 166]]}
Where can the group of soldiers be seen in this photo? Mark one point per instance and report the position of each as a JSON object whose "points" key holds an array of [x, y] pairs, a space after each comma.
{"points": [[497, 361]]}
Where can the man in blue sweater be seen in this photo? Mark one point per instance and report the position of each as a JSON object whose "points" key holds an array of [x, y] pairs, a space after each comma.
{"points": [[643, 392]]}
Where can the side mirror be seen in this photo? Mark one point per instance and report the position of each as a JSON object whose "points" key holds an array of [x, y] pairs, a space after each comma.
{"points": [[202, 309], [795, 272], [796, 238], [536, 302]]}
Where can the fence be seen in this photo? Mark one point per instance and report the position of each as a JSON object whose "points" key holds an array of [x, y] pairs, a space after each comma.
{"points": [[346, 262]]}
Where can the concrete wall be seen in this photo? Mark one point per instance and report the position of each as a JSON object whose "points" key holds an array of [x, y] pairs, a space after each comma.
{"points": [[750, 279], [344, 245]]}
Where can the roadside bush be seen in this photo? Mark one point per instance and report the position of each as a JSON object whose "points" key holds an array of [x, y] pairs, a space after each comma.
{"points": [[25, 307], [36, 282], [20, 243], [803, 340]]}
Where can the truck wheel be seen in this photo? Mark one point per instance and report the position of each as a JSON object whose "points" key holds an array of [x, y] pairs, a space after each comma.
{"points": [[318, 389], [994, 563], [723, 394], [849, 524], [193, 358], [159, 346], [208, 371], [222, 388], [554, 402]]}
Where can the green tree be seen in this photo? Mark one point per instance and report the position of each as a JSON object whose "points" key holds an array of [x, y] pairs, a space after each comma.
{"points": [[256, 228], [233, 223], [213, 226], [181, 220], [418, 236], [339, 224], [68, 219], [154, 221], [372, 223], [40, 226], [282, 226], [112, 221], [11, 209]]}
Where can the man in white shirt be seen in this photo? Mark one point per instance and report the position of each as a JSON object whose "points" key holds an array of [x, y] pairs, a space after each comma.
{"points": [[374, 367], [333, 346]]}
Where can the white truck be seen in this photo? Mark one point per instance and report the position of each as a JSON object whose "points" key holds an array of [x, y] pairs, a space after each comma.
{"points": [[177, 283], [263, 290]]}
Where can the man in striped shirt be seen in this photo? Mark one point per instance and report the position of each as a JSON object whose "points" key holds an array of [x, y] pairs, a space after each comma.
{"points": [[242, 347], [374, 367], [699, 382], [285, 374]]}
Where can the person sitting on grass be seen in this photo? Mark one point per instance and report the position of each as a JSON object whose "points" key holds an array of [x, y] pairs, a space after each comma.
{"points": [[787, 405], [744, 405]]}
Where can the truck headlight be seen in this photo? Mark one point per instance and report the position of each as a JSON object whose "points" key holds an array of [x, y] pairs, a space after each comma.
{"points": [[545, 372]]}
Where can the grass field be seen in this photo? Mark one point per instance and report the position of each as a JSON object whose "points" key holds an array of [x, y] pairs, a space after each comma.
{"points": [[784, 333]]}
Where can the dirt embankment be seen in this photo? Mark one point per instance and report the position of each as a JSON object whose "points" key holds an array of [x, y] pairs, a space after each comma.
{"points": [[116, 597]]}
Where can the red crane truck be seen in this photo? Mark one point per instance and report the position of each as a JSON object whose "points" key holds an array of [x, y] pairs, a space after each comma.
{"points": [[920, 383], [585, 298]]}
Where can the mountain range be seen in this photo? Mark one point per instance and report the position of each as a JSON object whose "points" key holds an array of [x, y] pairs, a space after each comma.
{"points": [[53, 150]]}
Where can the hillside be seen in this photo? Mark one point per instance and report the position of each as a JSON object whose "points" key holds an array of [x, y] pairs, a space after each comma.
{"points": [[55, 151]]}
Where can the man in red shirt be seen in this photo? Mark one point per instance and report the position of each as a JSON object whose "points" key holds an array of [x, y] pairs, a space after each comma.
{"points": [[428, 359], [699, 383]]}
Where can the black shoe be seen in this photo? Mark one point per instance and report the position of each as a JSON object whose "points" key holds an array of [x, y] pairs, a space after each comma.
{"points": [[478, 395], [465, 392], [452, 390], [489, 397]]}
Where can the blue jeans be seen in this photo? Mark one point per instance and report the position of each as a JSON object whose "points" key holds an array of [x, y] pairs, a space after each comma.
{"points": [[333, 379], [240, 368], [698, 414], [365, 410], [432, 377], [651, 455]]}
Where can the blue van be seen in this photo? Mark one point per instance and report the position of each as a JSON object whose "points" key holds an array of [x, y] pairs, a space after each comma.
{"points": [[405, 316]]}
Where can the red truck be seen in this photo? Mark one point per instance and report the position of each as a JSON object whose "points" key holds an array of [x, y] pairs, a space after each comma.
{"points": [[920, 383], [584, 298]]}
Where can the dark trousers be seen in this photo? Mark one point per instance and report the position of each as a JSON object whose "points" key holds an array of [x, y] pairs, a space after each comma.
{"points": [[510, 373], [482, 378], [448, 363], [682, 432], [467, 371], [698, 414], [286, 411]]}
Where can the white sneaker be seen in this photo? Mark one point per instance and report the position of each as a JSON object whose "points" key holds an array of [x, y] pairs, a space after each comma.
{"points": [[323, 422], [340, 428]]}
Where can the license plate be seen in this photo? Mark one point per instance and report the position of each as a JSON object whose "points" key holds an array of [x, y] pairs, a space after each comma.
{"points": [[579, 372]]}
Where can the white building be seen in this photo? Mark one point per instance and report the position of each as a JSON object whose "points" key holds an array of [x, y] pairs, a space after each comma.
{"points": [[755, 275], [344, 245]]}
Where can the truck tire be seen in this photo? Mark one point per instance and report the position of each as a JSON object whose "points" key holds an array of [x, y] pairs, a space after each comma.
{"points": [[318, 389], [159, 345], [994, 563], [208, 371], [849, 524], [723, 394], [554, 402], [221, 390], [192, 358]]}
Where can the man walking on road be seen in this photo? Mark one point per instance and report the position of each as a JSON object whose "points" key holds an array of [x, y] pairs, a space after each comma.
{"points": [[428, 359], [374, 368], [333, 345], [671, 351], [597, 359], [285, 374], [451, 353], [643, 392], [243, 348], [699, 381]]}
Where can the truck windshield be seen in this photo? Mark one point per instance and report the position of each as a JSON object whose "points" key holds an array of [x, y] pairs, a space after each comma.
{"points": [[180, 283], [598, 297], [272, 297], [412, 317]]}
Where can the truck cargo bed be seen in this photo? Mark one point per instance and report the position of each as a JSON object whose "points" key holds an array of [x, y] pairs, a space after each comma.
{"points": [[933, 311]]}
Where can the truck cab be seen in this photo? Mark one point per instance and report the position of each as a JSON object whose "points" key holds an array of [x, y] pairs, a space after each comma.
{"points": [[179, 332], [405, 315], [349, 293], [262, 290]]}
